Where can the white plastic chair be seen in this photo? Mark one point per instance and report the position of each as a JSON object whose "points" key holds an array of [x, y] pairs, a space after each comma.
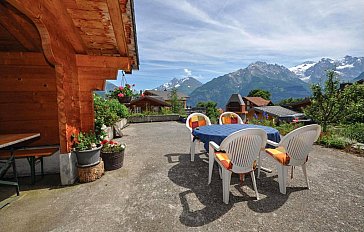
{"points": [[229, 114], [192, 123], [237, 153], [293, 150]]}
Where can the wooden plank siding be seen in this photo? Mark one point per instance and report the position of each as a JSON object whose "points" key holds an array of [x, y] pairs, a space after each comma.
{"points": [[53, 55], [28, 98]]}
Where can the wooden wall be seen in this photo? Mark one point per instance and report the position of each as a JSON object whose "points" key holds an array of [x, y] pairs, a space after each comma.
{"points": [[28, 96]]}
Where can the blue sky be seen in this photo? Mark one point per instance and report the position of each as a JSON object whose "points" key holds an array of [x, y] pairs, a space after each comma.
{"points": [[209, 38]]}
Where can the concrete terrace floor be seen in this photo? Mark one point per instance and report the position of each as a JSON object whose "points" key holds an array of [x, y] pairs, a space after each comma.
{"points": [[159, 189]]}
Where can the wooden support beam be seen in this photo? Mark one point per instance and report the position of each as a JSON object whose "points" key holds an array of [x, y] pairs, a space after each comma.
{"points": [[118, 25], [94, 73], [23, 30], [121, 63]]}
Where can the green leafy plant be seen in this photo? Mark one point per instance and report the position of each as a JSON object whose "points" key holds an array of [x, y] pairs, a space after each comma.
{"points": [[137, 115], [284, 128], [112, 146], [121, 110], [263, 122], [354, 131], [165, 111], [333, 141], [104, 113], [85, 141]]}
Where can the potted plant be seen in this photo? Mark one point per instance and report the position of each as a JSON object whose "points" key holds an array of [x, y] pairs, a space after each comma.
{"points": [[87, 147], [112, 154], [122, 93]]}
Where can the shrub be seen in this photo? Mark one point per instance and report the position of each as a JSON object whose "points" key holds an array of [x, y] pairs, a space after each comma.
{"points": [[263, 122], [106, 112], [284, 128], [334, 141], [137, 115], [120, 109], [354, 132], [165, 111]]}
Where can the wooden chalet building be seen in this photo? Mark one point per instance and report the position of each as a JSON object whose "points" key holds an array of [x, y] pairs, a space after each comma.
{"points": [[251, 102], [148, 103], [54, 54], [236, 105], [166, 96]]}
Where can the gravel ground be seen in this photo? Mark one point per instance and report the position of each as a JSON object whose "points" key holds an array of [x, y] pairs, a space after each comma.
{"points": [[159, 189]]}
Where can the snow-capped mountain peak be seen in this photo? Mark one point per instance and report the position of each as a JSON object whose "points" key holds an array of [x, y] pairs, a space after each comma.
{"points": [[300, 69], [185, 85], [346, 68]]}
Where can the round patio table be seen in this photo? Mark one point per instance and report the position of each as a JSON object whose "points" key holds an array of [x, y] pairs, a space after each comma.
{"points": [[218, 133]]}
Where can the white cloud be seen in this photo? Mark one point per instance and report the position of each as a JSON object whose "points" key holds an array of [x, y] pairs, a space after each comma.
{"points": [[188, 72], [211, 36]]}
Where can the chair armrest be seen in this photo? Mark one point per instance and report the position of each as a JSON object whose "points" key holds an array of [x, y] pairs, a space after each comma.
{"points": [[214, 146], [270, 142]]}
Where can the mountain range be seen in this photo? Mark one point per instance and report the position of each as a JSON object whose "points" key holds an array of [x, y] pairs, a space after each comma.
{"points": [[360, 77], [185, 85], [280, 81], [346, 68], [277, 79]]}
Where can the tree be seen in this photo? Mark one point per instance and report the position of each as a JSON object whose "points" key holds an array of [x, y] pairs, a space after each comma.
{"points": [[326, 103], [289, 101], [353, 98], [175, 102], [211, 111], [260, 93]]}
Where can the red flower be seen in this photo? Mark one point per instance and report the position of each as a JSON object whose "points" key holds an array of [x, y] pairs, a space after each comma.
{"points": [[127, 86], [120, 95], [121, 87], [104, 141], [111, 142]]}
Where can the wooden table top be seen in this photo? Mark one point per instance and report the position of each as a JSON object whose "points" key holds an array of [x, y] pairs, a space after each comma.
{"points": [[11, 139]]}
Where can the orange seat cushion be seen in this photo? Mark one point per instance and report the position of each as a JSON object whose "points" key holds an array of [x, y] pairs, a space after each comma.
{"points": [[197, 121], [279, 154], [226, 162], [229, 119]]}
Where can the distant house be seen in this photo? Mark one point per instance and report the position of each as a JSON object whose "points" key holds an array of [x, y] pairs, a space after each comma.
{"points": [[298, 106], [236, 105], [269, 112], [148, 103], [251, 102], [166, 96]]}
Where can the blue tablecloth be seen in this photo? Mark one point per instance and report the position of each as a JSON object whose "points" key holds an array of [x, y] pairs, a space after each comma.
{"points": [[218, 133]]}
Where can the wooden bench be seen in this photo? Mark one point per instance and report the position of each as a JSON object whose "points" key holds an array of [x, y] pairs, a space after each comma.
{"points": [[34, 155]]}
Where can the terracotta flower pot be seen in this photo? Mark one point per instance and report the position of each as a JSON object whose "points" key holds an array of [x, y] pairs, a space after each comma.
{"points": [[113, 160]]}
